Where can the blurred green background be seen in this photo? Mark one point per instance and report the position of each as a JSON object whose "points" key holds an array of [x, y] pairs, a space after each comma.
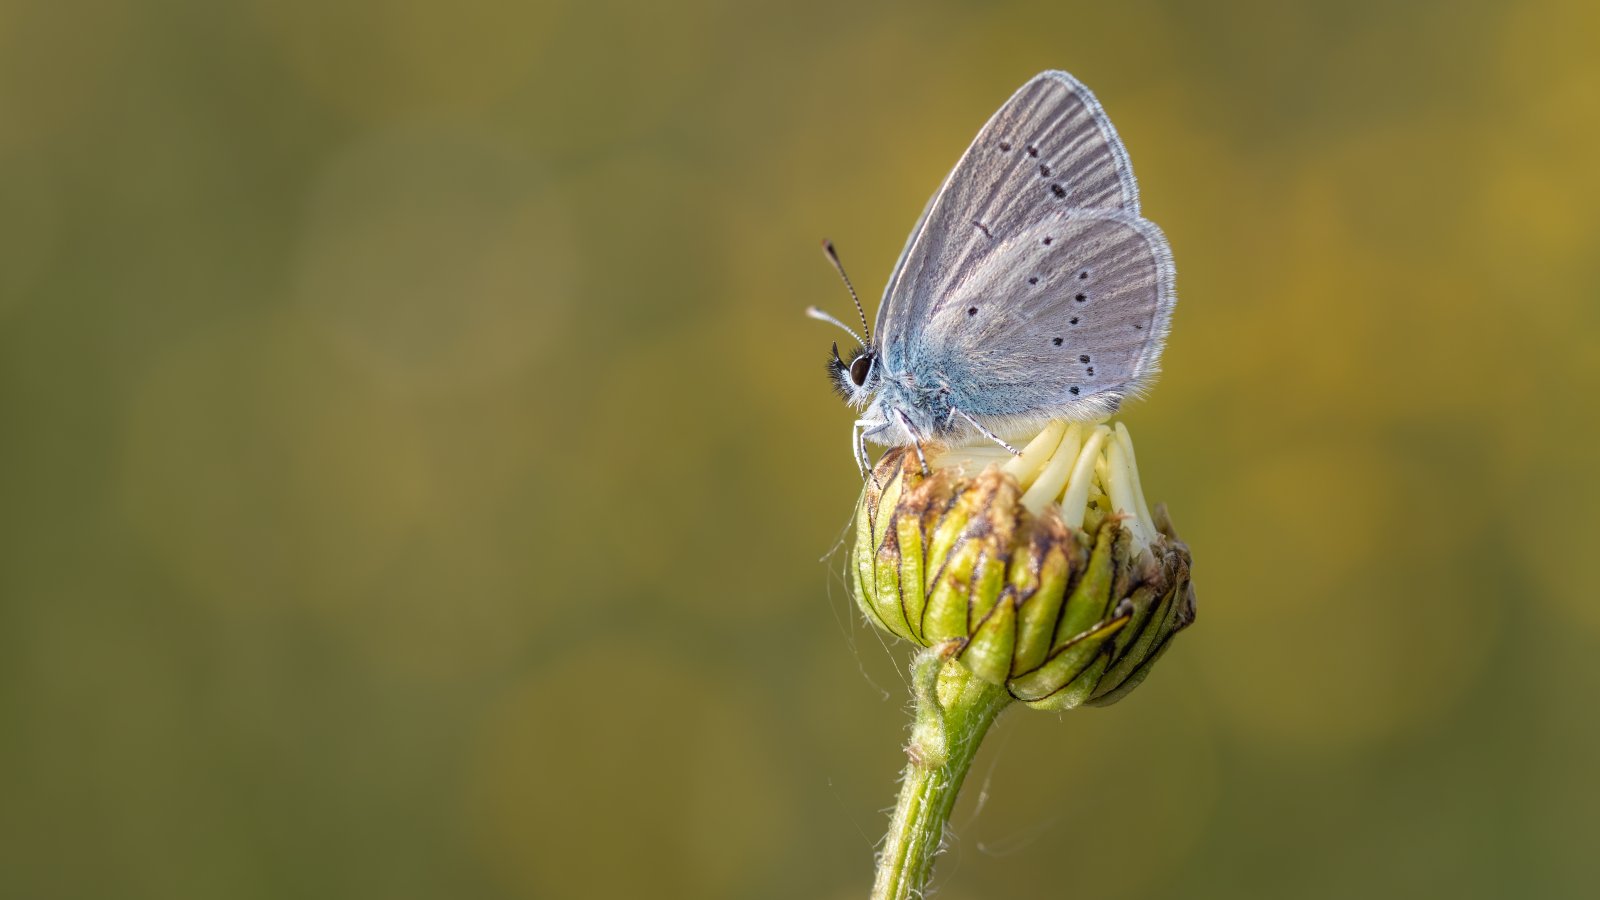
{"points": [[415, 467]]}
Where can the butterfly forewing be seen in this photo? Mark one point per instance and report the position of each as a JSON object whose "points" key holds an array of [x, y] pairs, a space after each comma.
{"points": [[1064, 318], [1049, 148]]}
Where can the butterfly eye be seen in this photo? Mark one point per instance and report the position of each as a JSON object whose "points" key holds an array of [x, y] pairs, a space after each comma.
{"points": [[860, 368]]}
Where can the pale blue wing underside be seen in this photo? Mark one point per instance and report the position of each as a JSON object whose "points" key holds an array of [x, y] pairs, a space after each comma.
{"points": [[1049, 148]]}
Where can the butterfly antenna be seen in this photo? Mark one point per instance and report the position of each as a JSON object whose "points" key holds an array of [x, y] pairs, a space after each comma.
{"points": [[818, 314], [833, 257]]}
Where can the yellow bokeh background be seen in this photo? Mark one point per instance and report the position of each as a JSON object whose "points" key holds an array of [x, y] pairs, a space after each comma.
{"points": [[418, 481]]}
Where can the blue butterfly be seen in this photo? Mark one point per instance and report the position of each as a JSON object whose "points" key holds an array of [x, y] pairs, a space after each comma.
{"points": [[1031, 289]]}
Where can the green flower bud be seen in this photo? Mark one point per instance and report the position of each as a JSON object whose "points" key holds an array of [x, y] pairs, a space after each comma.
{"points": [[1044, 572]]}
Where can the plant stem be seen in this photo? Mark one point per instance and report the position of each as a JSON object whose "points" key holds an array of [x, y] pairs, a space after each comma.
{"points": [[954, 710]]}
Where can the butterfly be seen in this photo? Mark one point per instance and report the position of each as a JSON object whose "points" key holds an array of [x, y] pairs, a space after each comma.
{"points": [[1030, 290]]}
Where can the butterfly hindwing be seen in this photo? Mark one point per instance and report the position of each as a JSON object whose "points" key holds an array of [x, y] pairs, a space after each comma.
{"points": [[1064, 319]]}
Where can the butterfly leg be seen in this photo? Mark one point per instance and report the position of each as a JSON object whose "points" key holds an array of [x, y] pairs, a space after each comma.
{"points": [[986, 432], [916, 444], [858, 448]]}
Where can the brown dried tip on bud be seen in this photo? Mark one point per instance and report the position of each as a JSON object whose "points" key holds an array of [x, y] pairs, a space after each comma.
{"points": [[1044, 572]]}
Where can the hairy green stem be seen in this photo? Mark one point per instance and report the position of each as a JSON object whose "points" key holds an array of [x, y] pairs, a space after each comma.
{"points": [[954, 710]]}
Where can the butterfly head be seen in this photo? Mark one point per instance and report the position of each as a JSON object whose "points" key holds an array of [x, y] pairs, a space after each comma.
{"points": [[856, 379]]}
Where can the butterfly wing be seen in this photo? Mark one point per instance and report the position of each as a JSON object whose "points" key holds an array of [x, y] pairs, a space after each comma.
{"points": [[1050, 147], [1063, 319]]}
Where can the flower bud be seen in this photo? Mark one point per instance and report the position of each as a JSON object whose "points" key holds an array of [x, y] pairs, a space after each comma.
{"points": [[1044, 572]]}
